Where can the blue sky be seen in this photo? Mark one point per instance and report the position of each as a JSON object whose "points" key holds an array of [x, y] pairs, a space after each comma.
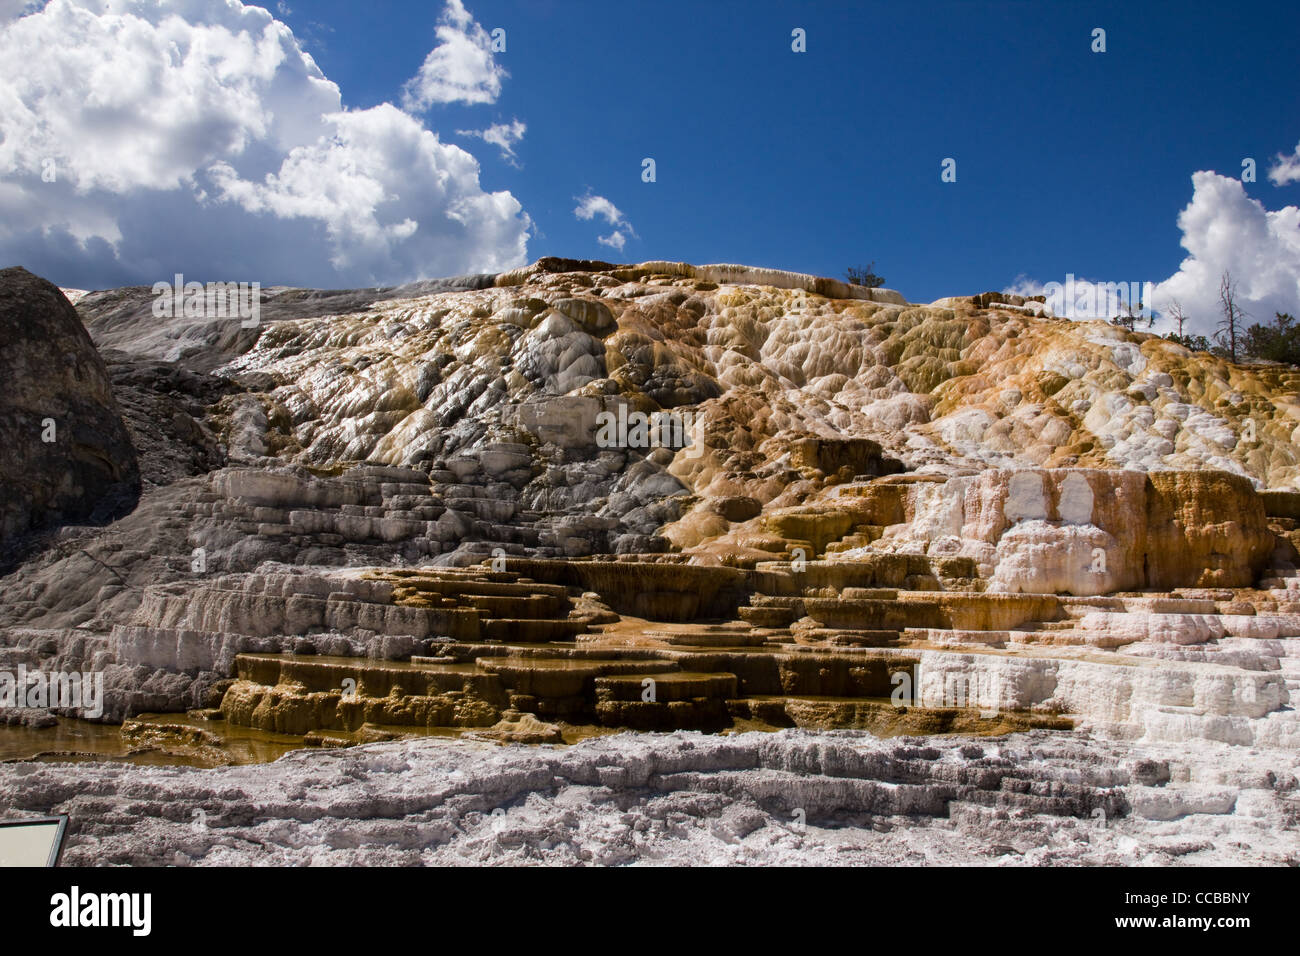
{"points": [[1067, 160]]}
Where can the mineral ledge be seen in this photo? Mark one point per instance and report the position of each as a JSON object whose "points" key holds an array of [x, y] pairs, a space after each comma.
{"points": [[946, 583]]}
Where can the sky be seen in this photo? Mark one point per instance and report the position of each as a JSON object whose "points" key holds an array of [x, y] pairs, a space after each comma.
{"points": [[332, 143]]}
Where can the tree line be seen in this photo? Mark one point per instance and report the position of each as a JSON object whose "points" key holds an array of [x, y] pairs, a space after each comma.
{"points": [[1275, 340]]}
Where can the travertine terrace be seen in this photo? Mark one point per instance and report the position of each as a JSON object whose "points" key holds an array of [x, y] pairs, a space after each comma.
{"points": [[1062, 553]]}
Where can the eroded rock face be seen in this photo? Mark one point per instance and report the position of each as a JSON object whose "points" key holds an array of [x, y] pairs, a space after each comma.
{"points": [[447, 422], [392, 511], [792, 387], [167, 409], [1204, 529], [66, 454], [789, 380], [1080, 531]]}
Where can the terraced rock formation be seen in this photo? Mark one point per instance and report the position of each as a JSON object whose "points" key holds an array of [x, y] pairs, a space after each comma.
{"points": [[429, 512], [792, 798]]}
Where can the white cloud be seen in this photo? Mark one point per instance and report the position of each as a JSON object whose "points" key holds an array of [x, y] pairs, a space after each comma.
{"points": [[591, 206], [351, 184], [13, 9], [1286, 169], [1079, 297], [1224, 229], [501, 135], [212, 143], [461, 68], [1024, 285], [615, 239]]}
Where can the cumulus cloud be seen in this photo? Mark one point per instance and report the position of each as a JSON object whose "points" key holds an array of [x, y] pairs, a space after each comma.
{"points": [[460, 69], [1079, 297], [1225, 230], [615, 240], [139, 138], [13, 9], [1024, 285], [590, 206], [501, 135], [1286, 169]]}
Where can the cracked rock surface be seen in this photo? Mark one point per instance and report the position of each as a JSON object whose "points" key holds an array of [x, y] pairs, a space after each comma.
{"points": [[1077, 546], [792, 798]]}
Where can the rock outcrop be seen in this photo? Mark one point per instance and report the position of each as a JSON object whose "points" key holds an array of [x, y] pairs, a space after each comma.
{"points": [[582, 497], [66, 457], [793, 798], [1076, 531]]}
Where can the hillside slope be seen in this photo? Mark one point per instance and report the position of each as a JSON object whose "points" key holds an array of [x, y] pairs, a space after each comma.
{"points": [[583, 497]]}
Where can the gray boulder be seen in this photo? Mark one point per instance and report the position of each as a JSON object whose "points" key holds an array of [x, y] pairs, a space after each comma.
{"points": [[67, 457]]}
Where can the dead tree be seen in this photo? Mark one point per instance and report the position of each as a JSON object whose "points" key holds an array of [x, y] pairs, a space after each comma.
{"points": [[1230, 326]]}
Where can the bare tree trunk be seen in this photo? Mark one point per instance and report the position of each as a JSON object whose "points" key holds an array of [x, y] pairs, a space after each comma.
{"points": [[1232, 314], [1176, 313]]}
